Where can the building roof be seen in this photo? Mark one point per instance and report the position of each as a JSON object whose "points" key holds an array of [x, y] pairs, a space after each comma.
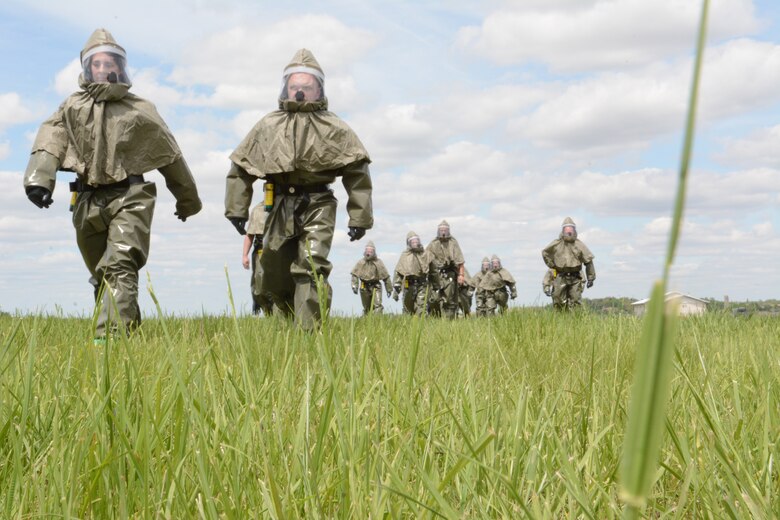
{"points": [[671, 295]]}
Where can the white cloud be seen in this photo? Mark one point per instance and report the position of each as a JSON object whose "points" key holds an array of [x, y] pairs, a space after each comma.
{"points": [[610, 112], [580, 36], [13, 111], [243, 61], [759, 148], [5, 150], [66, 81]]}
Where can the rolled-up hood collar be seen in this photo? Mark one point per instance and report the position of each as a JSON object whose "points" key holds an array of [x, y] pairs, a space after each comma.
{"points": [[290, 105]]}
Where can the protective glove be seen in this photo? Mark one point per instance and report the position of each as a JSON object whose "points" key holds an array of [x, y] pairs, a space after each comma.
{"points": [[589, 284], [389, 292], [513, 295], [356, 233], [548, 291], [39, 196], [183, 218], [395, 295], [354, 289], [239, 223]]}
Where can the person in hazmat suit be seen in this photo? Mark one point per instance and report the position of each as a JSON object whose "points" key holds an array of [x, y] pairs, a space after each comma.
{"points": [[480, 293], [367, 277], [447, 272], [110, 138], [411, 276], [298, 151], [565, 256], [254, 240], [466, 293], [493, 286], [547, 282]]}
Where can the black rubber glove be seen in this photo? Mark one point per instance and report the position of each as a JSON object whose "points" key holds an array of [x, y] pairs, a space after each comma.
{"points": [[354, 289], [395, 295], [356, 233], [548, 291], [589, 284], [39, 196], [239, 223], [180, 217]]}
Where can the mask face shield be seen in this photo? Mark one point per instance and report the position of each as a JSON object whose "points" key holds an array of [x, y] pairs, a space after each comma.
{"points": [[105, 64], [414, 243], [302, 84], [369, 253], [496, 264], [443, 232], [569, 233], [485, 267]]}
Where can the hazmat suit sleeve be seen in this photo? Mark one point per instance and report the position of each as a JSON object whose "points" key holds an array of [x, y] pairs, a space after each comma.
{"points": [[238, 192], [179, 180], [587, 258], [49, 149], [590, 271], [357, 181], [547, 254]]}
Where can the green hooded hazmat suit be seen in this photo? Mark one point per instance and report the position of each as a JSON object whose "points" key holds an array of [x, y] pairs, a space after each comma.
{"points": [[494, 284], [446, 271], [298, 151], [566, 256], [411, 276], [367, 277], [110, 138]]}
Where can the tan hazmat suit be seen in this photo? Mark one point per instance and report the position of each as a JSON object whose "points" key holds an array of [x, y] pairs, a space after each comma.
{"points": [[476, 280], [367, 277], [494, 284], [110, 138], [566, 256], [446, 267], [298, 151], [411, 277], [465, 293], [255, 231]]}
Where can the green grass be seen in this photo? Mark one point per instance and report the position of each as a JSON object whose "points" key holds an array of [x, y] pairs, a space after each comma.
{"points": [[382, 416]]}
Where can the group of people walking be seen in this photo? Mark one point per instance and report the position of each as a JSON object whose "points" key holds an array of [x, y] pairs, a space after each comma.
{"points": [[435, 281], [110, 138]]}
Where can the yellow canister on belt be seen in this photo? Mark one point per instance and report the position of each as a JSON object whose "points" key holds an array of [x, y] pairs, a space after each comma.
{"points": [[269, 195], [73, 200], [555, 273]]}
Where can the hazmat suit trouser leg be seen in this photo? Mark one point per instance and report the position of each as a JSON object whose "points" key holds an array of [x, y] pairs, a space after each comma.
{"points": [[567, 292], [371, 297], [502, 300], [490, 303], [451, 297], [296, 225], [260, 301], [416, 299], [464, 301], [481, 299], [113, 228]]}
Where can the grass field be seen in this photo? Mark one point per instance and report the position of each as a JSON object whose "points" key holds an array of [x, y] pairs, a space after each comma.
{"points": [[391, 416]]}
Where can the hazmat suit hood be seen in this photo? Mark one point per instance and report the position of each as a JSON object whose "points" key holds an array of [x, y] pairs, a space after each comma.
{"points": [[568, 222], [443, 230], [307, 92], [301, 135], [409, 242], [103, 132], [495, 263], [103, 60], [485, 266], [369, 253]]}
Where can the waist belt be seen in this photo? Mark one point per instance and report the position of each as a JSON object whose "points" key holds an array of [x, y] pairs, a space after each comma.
{"points": [[296, 189], [575, 274], [81, 187], [415, 280]]}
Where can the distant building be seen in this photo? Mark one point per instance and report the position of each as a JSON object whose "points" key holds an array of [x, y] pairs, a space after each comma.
{"points": [[688, 305]]}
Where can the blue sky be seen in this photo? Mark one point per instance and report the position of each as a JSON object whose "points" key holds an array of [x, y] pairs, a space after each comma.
{"points": [[501, 117]]}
